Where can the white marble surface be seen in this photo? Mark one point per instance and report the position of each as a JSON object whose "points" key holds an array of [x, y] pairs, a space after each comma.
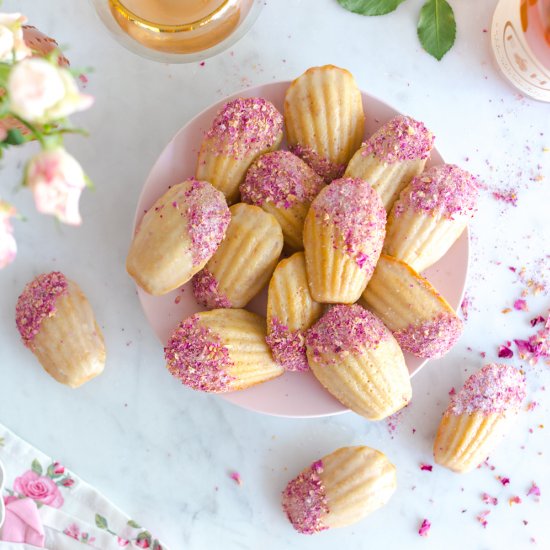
{"points": [[163, 453]]}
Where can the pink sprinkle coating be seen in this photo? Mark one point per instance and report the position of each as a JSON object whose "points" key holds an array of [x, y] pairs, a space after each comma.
{"points": [[356, 210], [282, 179], [288, 347], [244, 125], [207, 218], [207, 291], [37, 302], [327, 169], [445, 188], [196, 356], [402, 138], [432, 338], [305, 501], [424, 528], [493, 389], [344, 329]]}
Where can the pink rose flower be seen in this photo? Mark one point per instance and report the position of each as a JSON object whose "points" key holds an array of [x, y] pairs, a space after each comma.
{"points": [[72, 531], [8, 246], [56, 180], [58, 468], [12, 43], [40, 488]]}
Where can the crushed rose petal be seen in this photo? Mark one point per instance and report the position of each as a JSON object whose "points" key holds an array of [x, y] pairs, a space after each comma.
{"points": [[504, 480], [482, 518], [521, 305], [236, 477], [488, 499], [505, 352], [426, 467], [534, 490], [534, 322], [424, 528], [514, 500]]}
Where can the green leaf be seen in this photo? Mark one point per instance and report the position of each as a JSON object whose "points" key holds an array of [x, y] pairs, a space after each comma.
{"points": [[15, 137], [101, 522], [370, 7], [437, 27], [36, 467], [134, 524], [145, 535]]}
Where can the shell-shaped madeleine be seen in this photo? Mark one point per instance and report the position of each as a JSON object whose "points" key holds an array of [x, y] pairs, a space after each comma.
{"points": [[339, 489], [421, 320], [343, 236], [57, 324], [244, 261], [478, 416], [324, 119], [177, 236], [243, 129], [356, 358], [290, 312], [283, 185], [221, 350], [430, 214], [392, 157]]}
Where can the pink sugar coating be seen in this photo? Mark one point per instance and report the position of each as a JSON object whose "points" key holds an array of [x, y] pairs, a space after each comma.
{"points": [[196, 356], [38, 302], [433, 338], [282, 179], [207, 218], [207, 291], [245, 125], [305, 501], [493, 389], [344, 329], [327, 169], [288, 347], [402, 138], [356, 210], [445, 188]]}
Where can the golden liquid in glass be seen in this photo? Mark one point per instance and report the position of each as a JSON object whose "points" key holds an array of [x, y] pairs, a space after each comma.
{"points": [[179, 26]]}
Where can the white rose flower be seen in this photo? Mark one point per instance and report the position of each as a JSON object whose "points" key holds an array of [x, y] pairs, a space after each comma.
{"points": [[8, 246], [56, 180], [42, 92], [12, 44]]}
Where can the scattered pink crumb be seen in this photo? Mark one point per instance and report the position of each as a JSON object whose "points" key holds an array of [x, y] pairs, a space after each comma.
{"points": [[534, 490], [525, 522], [514, 500], [465, 305], [202, 63], [532, 405], [521, 305], [452, 391], [482, 518], [504, 480], [424, 528], [505, 352], [534, 322], [506, 310], [509, 196], [426, 467], [236, 477], [177, 300], [83, 79], [488, 499]]}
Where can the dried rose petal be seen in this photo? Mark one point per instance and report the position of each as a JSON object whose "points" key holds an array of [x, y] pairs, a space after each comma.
{"points": [[424, 528], [514, 500], [534, 322], [426, 467], [236, 477], [505, 352], [488, 499], [534, 490], [482, 518], [521, 305]]}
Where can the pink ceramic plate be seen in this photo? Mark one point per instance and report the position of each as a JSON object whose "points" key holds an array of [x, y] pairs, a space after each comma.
{"points": [[293, 394]]}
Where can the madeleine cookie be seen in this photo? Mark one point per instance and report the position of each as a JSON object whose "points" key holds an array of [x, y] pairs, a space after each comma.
{"points": [[57, 324], [324, 119], [421, 320], [343, 236], [244, 261], [283, 185], [356, 358], [245, 128], [290, 312], [430, 215], [221, 350], [340, 489], [392, 157], [177, 236], [478, 416]]}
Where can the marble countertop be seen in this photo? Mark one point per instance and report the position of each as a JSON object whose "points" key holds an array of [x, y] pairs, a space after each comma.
{"points": [[164, 453]]}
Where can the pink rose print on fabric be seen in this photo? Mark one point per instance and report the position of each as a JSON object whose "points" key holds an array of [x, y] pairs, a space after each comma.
{"points": [[39, 488], [72, 531]]}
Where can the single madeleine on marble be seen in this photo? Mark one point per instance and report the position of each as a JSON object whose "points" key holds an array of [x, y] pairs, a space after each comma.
{"points": [[392, 157], [324, 119], [478, 417], [244, 128], [290, 312], [339, 490], [422, 321], [244, 261], [430, 214], [356, 358], [177, 236], [220, 351], [343, 236], [283, 185], [57, 323]]}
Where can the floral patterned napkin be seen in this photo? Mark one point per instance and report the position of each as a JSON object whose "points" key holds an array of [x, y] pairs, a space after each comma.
{"points": [[72, 514]]}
